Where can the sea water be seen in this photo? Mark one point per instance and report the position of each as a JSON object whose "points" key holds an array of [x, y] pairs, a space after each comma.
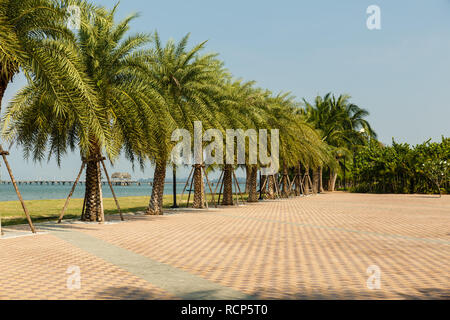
{"points": [[47, 192]]}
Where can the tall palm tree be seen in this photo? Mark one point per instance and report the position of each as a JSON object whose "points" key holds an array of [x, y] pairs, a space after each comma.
{"points": [[299, 142], [244, 107], [126, 107], [34, 39], [237, 109], [186, 80], [338, 121]]}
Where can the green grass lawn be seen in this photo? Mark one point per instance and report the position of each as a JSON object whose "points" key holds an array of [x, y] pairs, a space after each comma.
{"points": [[46, 210]]}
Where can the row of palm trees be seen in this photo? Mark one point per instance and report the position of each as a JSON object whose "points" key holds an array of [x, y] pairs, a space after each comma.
{"points": [[103, 92], [342, 125]]}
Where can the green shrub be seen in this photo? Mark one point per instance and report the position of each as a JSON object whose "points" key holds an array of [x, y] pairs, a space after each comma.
{"points": [[400, 168]]}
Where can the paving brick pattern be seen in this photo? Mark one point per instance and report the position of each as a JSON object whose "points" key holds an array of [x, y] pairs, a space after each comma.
{"points": [[35, 268], [315, 247]]}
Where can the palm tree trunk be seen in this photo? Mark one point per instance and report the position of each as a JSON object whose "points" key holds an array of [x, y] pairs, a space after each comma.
{"points": [[155, 206], [285, 183], [263, 185], [228, 185], [321, 179], [271, 187], [253, 192], [3, 85], [308, 186], [93, 196], [332, 182], [298, 189], [316, 180], [199, 190], [248, 172]]}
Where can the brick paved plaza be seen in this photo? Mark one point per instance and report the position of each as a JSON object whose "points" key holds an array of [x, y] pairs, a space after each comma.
{"points": [[317, 247]]}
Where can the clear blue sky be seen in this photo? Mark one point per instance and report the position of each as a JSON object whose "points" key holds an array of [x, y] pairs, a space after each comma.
{"points": [[399, 73]]}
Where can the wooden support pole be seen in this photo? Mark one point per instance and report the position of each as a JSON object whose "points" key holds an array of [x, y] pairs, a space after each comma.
{"points": [[221, 186], [235, 190], [308, 181], [260, 185], [71, 192], [204, 188], [298, 181], [30, 223], [210, 189], [275, 182], [174, 187], [84, 208], [112, 189], [190, 192], [238, 187], [291, 183], [295, 181], [185, 186], [264, 184], [218, 183], [190, 188], [102, 210]]}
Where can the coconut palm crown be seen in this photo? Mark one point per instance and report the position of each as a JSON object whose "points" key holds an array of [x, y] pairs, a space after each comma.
{"points": [[125, 111]]}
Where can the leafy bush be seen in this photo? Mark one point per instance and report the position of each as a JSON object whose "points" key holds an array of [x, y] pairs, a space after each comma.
{"points": [[400, 168]]}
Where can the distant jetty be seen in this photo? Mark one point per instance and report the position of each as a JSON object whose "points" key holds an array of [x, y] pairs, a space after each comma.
{"points": [[69, 182], [117, 179]]}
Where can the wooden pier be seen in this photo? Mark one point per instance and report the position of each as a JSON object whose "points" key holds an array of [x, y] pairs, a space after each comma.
{"points": [[69, 183]]}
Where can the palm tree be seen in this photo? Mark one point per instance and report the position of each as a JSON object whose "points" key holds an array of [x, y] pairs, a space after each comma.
{"points": [[186, 80], [126, 107], [239, 107], [245, 107], [236, 110], [339, 122], [299, 142], [34, 39], [254, 117]]}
